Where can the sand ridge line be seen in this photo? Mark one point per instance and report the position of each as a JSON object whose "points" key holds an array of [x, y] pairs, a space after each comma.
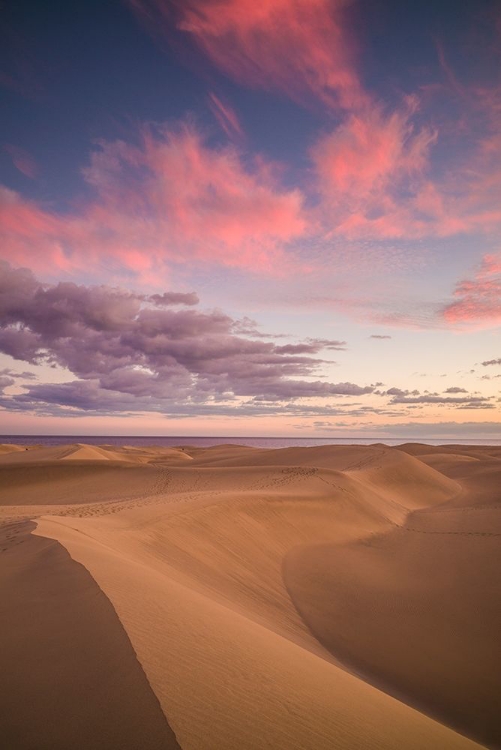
{"points": [[467, 509], [415, 530]]}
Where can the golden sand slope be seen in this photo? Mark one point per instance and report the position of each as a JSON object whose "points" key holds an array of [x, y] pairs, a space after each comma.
{"points": [[10, 448], [243, 581], [69, 474]]}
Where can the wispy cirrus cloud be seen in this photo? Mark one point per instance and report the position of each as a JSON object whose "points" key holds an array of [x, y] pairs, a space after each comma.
{"points": [[22, 160], [450, 397], [478, 299], [179, 195], [171, 196], [370, 152], [226, 117], [251, 43], [375, 177], [31, 234]]}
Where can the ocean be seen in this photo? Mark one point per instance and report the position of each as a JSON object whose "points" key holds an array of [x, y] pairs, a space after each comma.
{"points": [[256, 442]]}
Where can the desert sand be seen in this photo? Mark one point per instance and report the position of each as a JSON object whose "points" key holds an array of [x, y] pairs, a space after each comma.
{"points": [[232, 597]]}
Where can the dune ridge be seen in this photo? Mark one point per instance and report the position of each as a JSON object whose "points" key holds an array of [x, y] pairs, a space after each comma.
{"points": [[70, 675], [223, 566]]}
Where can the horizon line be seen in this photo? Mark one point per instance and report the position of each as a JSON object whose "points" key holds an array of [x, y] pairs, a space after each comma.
{"points": [[248, 437]]}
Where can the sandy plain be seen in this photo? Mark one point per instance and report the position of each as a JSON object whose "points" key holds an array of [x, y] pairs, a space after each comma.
{"points": [[232, 597]]}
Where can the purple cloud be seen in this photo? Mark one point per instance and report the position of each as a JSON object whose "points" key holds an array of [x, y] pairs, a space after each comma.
{"points": [[400, 396], [5, 381], [435, 398], [312, 346], [131, 356], [21, 375], [174, 298]]}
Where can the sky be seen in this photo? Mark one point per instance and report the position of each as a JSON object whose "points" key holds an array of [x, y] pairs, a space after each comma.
{"points": [[224, 217]]}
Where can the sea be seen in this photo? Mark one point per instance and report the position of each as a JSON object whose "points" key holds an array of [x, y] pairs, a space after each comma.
{"points": [[256, 442]]}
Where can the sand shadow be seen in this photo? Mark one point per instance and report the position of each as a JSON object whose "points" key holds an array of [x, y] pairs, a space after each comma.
{"points": [[416, 615]]}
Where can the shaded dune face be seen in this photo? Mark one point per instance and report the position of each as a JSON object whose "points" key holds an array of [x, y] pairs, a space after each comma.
{"points": [[416, 610], [70, 677], [393, 610], [257, 587]]}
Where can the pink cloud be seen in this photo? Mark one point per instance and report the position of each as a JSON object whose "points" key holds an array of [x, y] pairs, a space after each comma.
{"points": [[299, 47], [478, 300], [366, 165], [169, 198], [369, 151], [22, 160], [30, 235], [226, 117], [373, 171], [374, 178]]}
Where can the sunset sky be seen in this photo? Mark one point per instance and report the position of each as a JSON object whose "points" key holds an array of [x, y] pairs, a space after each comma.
{"points": [[230, 217]]}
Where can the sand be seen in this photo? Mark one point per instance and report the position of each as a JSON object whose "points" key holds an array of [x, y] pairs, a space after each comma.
{"points": [[70, 677], [233, 597]]}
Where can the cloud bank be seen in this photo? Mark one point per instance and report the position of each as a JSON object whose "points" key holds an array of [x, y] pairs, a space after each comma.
{"points": [[130, 353]]}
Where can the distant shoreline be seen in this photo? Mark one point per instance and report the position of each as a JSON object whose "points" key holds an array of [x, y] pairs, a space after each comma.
{"points": [[252, 441]]}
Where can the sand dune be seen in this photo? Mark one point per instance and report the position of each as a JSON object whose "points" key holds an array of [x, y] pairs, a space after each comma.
{"points": [[477, 473], [70, 675], [416, 613], [330, 597], [82, 452], [9, 448]]}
